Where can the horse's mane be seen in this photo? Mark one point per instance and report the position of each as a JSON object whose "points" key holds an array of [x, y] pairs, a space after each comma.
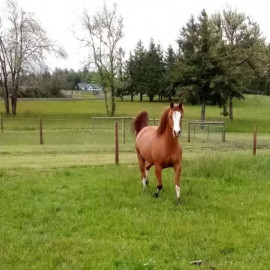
{"points": [[163, 122], [140, 122]]}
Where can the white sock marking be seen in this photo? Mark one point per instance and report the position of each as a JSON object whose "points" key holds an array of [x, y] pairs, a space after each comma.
{"points": [[177, 189], [144, 181]]}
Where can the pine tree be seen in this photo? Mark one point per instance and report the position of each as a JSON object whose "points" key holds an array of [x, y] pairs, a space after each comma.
{"points": [[200, 67]]}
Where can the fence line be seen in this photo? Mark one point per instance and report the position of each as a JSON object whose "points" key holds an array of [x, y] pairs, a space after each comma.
{"points": [[203, 124], [59, 131]]}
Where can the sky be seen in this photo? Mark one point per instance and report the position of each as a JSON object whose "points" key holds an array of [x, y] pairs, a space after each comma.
{"points": [[142, 19]]}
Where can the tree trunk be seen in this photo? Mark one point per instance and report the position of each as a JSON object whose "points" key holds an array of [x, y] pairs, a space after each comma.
{"points": [[106, 101], [5, 89], [131, 96], [14, 105], [113, 100], [203, 110], [231, 108], [141, 97], [225, 110], [6, 98]]}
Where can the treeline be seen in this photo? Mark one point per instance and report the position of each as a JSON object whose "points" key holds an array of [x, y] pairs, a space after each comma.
{"points": [[218, 58], [50, 84]]}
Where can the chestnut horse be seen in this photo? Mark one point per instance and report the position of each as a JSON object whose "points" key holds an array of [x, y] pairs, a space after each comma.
{"points": [[159, 146]]}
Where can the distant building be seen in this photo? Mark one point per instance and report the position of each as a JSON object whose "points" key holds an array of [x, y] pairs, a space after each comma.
{"points": [[95, 88]]}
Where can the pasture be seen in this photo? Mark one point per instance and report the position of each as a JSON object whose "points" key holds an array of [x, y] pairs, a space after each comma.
{"points": [[64, 205]]}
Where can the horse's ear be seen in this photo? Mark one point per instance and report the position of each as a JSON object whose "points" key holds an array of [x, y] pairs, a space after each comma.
{"points": [[171, 105], [180, 105]]}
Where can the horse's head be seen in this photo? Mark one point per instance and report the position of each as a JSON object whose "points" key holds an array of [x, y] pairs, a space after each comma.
{"points": [[175, 118]]}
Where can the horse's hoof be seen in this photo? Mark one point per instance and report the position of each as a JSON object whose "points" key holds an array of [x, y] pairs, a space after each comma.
{"points": [[155, 195], [177, 201]]}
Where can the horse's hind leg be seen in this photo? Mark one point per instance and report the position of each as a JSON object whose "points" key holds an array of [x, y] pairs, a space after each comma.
{"points": [[142, 168], [147, 168]]}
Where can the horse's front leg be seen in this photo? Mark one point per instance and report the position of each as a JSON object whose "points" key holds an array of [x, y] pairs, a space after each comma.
{"points": [[177, 173], [158, 169]]}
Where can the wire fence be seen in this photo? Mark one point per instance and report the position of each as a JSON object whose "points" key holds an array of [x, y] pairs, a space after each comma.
{"points": [[100, 131]]}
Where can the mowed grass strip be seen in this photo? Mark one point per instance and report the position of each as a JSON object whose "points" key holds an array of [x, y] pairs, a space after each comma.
{"points": [[98, 217], [252, 110]]}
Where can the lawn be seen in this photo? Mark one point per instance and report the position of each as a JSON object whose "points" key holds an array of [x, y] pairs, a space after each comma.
{"points": [[251, 110], [65, 205], [98, 218]]}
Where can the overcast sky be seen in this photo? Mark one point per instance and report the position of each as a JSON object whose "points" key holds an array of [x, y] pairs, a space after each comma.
{"points": [[143, 19]]}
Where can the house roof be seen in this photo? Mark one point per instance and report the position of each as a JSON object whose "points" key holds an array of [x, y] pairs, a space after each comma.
{"points": [[88, 86]]}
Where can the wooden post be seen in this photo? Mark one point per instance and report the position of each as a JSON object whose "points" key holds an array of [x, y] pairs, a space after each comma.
{"points": [[116, 143], [223, 132], [123, 131], [154, 121], [2, 127], [254, 139], [188, 132], [93, 124], [208, 132], [40, 131]]}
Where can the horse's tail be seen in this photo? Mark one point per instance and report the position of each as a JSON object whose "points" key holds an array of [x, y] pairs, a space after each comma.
{"points": [[140, 121]]}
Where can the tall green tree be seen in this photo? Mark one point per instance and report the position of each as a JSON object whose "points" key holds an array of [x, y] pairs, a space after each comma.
{"points": [[170, 60], [154, 71], [200, 65], [136, 70], [245, 53]]}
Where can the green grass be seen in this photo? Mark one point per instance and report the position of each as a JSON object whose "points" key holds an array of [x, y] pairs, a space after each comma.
{"points": [[64, 205], [98, 218], [252, 110]]}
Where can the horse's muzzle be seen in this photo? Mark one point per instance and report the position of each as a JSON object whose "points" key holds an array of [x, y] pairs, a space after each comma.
{"points": [[176, 133]]}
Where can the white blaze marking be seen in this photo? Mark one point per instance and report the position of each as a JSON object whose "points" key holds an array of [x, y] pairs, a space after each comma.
{"points": [[177, 189], [176, 122]]}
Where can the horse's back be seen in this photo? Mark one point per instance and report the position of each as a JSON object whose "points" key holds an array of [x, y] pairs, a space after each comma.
{"points": [[147, 131]]}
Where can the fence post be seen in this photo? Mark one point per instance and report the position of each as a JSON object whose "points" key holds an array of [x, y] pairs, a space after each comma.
{"points": [[116, 143], [123, 131], [2, 127], [40, 131], [188, 132], [254, 139], [224, 132], [93, 124]]}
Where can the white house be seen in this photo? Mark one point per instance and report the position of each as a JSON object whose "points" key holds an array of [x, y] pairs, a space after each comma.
{"points": [[95, 88]]}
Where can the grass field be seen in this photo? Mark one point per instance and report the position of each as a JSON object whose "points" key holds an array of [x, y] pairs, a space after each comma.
{"points": [[64, 205], [252, 110], [98, 218]]}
